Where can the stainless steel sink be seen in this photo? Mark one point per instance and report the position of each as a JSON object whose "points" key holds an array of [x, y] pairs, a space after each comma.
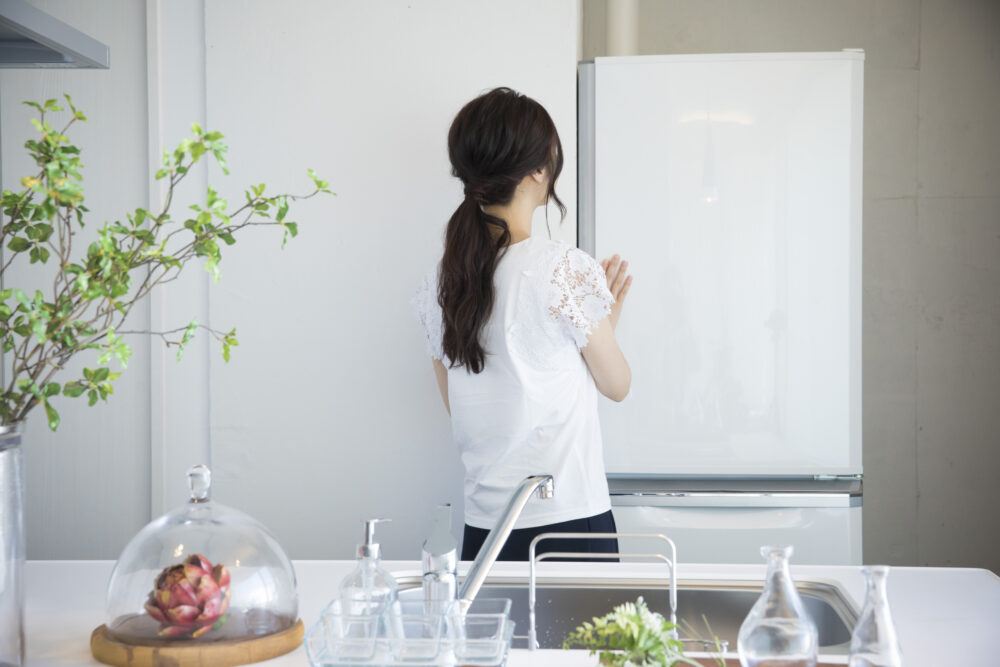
{"points": [[563, 604]]}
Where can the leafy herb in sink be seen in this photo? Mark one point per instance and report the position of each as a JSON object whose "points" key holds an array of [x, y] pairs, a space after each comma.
{"points": [[631, 636]]}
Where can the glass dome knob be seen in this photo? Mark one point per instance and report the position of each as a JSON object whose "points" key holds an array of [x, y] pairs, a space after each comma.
{"points": [[200, 483]]}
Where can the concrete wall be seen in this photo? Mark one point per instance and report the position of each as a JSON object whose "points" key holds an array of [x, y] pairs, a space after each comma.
{"points": [[931, 244]]}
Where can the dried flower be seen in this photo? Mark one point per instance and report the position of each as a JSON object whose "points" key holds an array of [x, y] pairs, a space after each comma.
{"points": [[190, 598]]}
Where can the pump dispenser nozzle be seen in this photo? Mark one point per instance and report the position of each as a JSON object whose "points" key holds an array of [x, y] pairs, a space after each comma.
{"points": [[369, 548]]}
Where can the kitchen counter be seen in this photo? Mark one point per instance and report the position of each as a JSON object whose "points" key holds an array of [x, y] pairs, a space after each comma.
{"points": [[941, 614]]}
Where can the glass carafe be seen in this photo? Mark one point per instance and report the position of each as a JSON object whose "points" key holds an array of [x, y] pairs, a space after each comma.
{"points": [[874, 642], [778, 632]]}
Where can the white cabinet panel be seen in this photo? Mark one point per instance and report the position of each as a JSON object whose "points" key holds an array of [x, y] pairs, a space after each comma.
{"points": [[830, 536]]}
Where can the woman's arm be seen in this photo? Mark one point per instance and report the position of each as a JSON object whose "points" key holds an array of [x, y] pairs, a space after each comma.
{"points": [[606, 362], [441, 373], [604, 358]]}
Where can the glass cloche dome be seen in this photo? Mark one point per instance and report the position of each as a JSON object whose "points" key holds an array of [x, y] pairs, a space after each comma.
{"points": [[202, 572]]}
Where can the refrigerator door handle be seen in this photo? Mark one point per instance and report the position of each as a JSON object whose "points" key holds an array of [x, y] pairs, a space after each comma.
{"points": [[736, 499]]}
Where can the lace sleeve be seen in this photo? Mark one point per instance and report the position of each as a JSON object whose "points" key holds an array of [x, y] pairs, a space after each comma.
{"points": [[579, 297], [425, 305]]}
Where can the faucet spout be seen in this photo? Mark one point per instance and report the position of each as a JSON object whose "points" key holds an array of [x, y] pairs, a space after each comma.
{"points": [[490, 550]]}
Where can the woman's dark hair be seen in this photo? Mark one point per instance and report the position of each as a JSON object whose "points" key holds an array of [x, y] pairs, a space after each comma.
{"points": [[494, 142]]}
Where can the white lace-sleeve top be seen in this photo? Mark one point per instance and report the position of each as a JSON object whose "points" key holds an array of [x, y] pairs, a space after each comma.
{"points": [[533, 408]]}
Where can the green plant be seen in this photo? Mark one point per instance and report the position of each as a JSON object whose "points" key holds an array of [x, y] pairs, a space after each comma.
{"points": [[631, 635], [92, 295]]}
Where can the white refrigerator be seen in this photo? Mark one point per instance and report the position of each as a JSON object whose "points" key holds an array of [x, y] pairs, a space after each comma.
{"points": [[732, 185]]}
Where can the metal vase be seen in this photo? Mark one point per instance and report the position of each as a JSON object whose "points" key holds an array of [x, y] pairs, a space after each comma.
{"points": [[11, 546]]}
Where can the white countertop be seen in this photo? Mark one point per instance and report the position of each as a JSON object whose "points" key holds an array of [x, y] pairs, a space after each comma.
{"points": [[941, 614]]}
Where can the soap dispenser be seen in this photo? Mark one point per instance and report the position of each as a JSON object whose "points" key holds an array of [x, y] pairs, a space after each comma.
{"points": [[368, 589], [440, 561]]}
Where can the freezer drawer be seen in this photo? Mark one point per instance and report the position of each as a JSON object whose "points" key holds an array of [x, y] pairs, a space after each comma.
{"points": [[726, 534]]}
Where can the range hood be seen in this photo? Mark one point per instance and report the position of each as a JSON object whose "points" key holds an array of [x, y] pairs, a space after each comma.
{"points": [[31, 38]]}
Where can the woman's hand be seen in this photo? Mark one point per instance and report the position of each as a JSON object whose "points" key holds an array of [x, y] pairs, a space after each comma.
{"points": [[618, 282]]}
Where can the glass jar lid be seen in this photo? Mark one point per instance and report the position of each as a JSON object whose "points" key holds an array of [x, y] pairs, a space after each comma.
{"points": [[204, 572]]}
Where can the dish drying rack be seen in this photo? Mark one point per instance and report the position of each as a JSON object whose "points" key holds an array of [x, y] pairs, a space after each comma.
{"points": [[698, 643], [413, 633]]}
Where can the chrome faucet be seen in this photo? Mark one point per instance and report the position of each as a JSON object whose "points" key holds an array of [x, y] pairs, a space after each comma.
{"points": [[490, 550]]}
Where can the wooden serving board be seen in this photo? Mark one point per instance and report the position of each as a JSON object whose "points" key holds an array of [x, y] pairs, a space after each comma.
{"points": [[192, 653]]}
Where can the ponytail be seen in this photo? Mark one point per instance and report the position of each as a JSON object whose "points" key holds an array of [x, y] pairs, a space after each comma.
{"points": [[473, 244]]}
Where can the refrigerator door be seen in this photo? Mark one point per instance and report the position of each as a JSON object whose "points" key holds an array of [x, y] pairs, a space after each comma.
{"points": [[732, 185]]}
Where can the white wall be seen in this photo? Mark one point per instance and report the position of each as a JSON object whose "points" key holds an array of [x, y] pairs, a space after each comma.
{"points": [[328, 412], [340, 418], [88, 484]]}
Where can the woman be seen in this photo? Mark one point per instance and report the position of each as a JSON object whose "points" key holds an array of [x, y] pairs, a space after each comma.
{"points": [[521, 332]]}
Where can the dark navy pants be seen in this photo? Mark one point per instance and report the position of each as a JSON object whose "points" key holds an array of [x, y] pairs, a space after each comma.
{"points": [[516, 547]]}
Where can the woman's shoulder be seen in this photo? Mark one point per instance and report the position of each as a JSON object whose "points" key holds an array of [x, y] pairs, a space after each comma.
{"points": [[551, 254], [562, 262]]}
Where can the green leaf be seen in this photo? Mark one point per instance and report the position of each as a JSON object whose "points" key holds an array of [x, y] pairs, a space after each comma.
{"points": [[73, 389], [51, 389], [18, 244], [52, 415], [122, 353], [186, 338], [293, 228], [42, 231], [92, 397], [229, 342], [212, 266]]}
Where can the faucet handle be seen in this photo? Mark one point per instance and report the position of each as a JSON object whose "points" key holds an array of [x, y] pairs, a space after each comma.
{"points": [[440, 548]]}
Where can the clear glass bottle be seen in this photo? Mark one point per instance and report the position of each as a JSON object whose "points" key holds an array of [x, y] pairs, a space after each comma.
{"points": [[369, 589], [778, 631], [874, 642]]}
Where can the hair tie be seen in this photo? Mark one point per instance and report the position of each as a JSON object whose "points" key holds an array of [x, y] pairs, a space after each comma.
{"points": [[474, 195]]}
